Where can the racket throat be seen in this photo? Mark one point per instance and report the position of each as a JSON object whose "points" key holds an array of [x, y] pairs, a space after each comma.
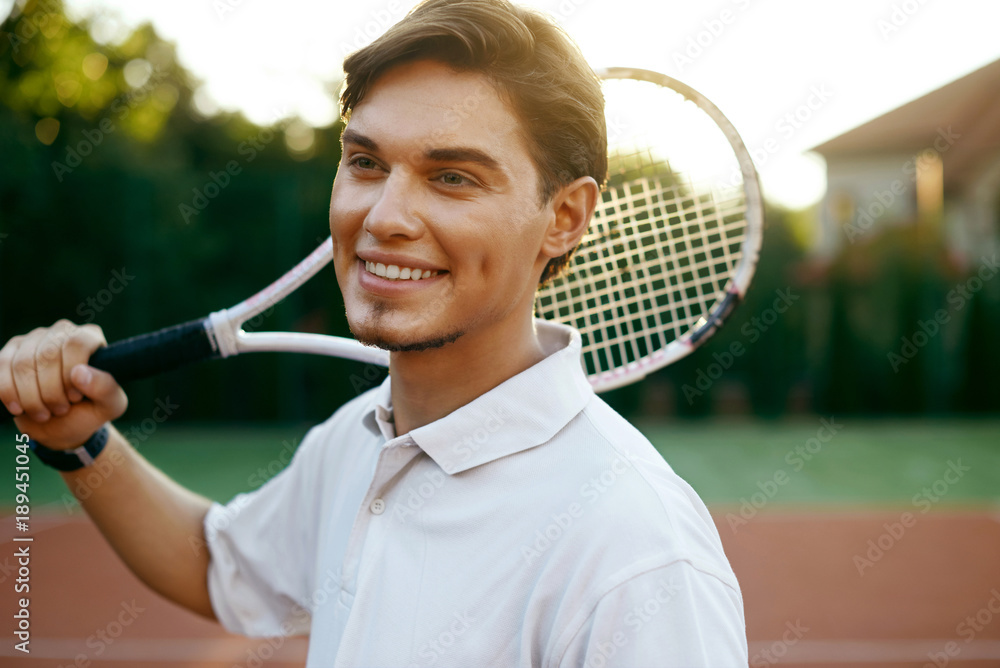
{"points": [[224, 331]]}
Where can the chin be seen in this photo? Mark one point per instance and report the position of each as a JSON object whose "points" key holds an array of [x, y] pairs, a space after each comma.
{"points": [[412, 346], [373, 332], [398, 345]]}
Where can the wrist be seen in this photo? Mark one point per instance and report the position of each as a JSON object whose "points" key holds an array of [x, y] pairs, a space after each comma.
{"points": [[74, 458]]}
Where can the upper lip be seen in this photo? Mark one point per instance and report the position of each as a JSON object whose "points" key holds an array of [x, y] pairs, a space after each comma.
{"points": [[378, 257]]}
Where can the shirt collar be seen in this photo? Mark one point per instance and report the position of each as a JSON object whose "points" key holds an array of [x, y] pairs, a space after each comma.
{"points": [[379, 419], [520, 413]]}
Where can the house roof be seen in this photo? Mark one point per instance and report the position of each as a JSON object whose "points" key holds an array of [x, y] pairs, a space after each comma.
{"points": [[969, 106]]}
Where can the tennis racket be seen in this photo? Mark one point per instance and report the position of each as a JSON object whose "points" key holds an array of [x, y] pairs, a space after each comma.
{"points": [[670, 252]]}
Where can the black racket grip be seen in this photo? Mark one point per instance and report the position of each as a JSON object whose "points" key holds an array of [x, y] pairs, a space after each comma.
{"points": [[153, 353], [150, 354]]}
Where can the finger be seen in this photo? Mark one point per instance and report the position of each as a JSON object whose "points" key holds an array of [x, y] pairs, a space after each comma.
{"points": [[26, 377], [78, 349], [102, 389], [48, 365], [8, 391]]}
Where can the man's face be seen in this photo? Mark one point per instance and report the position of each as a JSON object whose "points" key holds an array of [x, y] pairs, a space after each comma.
{"points": [[435, 181]]}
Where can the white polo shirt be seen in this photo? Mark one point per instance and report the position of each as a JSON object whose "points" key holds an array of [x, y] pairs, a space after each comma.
{"points": [[532, 527]]}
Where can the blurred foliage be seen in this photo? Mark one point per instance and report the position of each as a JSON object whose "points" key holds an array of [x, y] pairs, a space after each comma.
{"points": [[192, 214], [888, 327], [122, 205]]}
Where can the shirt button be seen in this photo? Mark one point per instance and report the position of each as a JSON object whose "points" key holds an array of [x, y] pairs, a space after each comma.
{"points": [[378, 506]]}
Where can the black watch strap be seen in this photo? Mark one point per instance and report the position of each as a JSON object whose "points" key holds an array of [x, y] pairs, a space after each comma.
{"points": [[77, 458]]}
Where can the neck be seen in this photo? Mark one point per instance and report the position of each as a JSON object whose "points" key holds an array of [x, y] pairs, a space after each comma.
{"points": [[430, 384]]}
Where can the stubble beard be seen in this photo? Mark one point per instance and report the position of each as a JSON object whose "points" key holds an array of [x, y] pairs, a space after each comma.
{"points": [[371, 333]]}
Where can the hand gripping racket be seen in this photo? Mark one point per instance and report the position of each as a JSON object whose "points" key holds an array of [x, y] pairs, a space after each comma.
{"points": [[670, 252]]}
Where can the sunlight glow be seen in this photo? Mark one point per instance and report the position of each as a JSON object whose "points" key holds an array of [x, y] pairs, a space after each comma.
{"points": [[757, 61]]}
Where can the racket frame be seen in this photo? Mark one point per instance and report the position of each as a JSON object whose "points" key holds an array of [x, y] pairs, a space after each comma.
{"points": [[226, 326], [738, 283], [221, 334]]}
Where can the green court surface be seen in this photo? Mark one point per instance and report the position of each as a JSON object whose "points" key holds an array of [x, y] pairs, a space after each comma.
{"points": [[866, 462], [839, 462]]}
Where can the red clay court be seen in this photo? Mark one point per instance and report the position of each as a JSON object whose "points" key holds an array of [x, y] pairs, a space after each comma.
{"points": [[935, 590]]}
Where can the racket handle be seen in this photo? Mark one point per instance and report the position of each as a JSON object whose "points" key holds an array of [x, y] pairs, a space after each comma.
{"points": [[153, 353]]}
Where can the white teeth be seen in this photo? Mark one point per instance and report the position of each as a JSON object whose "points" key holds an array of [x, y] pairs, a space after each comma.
{"points": [[394, 272]]}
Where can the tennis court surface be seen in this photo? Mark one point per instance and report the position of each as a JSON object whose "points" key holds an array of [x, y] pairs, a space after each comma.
{"points": [[905, 572]]}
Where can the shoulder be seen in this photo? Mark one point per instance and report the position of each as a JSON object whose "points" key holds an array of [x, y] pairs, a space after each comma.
{"points": [[645, 509], [671, 616], [633, 535]]}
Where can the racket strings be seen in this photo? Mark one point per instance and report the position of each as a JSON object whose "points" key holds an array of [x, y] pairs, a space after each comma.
{"points": [[657, 259]]}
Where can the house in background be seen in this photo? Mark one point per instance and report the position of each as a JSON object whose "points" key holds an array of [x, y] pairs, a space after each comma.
{"points": [[932, 164], [907, 306]]}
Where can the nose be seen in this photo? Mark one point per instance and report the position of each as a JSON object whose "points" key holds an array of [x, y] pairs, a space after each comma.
{"points": [[395, 212]]}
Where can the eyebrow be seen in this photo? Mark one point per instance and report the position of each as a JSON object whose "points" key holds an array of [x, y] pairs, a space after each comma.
{"points": [[462, 154], [453, 154], [352, 137]]}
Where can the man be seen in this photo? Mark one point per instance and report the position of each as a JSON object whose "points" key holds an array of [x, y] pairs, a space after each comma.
{"points": [[483, 507]]}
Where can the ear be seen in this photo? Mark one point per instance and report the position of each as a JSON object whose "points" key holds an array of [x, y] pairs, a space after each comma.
{"points": [[572, 206]]}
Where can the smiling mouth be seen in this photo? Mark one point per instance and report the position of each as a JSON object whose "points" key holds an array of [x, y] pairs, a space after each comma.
{"points": [[394, 272]]}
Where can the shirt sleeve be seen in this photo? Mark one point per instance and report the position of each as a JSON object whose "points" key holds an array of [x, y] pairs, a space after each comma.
{"points": [[671, 617], [262, 546]]}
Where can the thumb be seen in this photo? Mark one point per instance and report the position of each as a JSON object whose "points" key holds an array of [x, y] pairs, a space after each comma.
{"points": [[101, 388]]}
